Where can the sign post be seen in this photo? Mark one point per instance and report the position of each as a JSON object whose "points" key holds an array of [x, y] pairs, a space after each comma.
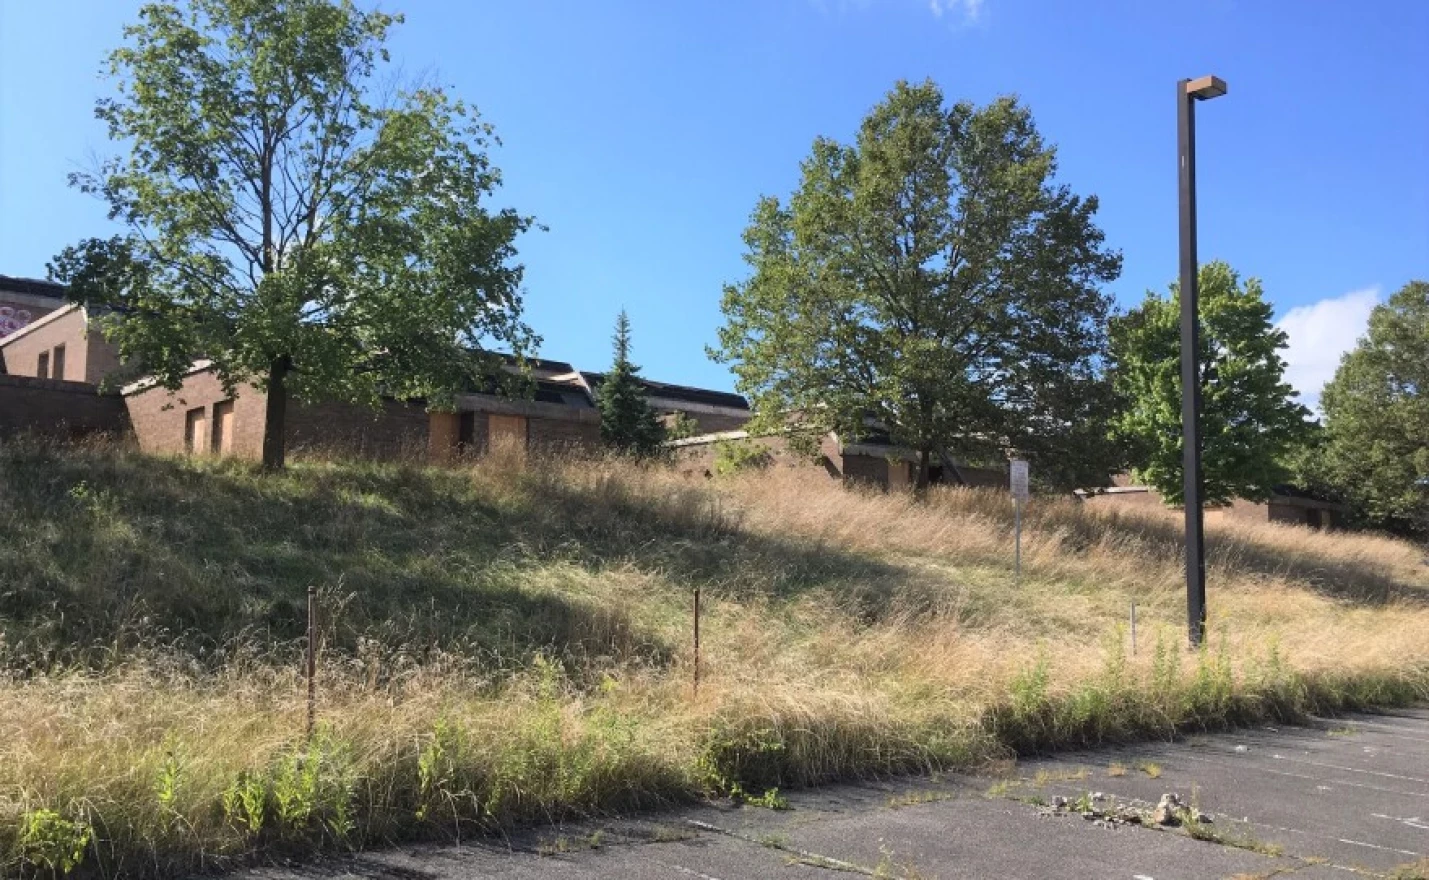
{"points": [[1018, 479]]}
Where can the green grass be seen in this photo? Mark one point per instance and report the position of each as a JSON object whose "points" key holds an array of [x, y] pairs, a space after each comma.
{"points": [[503, 643]]}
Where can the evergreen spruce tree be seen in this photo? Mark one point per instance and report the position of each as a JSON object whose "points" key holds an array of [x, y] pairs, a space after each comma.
{"points": [[627, 423]]}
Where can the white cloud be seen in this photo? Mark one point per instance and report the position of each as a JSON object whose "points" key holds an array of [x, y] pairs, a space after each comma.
{"points": [[971, 9], [1319, 334], [958, 12]]}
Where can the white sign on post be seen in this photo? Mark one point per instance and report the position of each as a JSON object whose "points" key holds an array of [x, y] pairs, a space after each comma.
{"points": [[1019, 479]]}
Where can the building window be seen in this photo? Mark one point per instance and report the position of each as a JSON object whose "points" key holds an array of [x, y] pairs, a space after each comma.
{"points": [[57, 363], [223, 428], [43, 370], [196, 431]]}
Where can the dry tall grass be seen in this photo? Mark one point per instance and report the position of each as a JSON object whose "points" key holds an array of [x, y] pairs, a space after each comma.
{"points": [[510, 639]]}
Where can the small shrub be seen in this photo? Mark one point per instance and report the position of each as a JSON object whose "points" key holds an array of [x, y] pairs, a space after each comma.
{"points": [[244, 802], [166, 785], [437, 766], [313, 785], [50, 841], [734, 457]]}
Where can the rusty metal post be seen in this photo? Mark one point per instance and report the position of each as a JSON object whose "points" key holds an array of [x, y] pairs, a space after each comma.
{"points": [[312, 656], [697, 641]]}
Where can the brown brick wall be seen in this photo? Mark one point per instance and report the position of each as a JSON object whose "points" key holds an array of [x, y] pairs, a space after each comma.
{"points": [[88, 356], [158, 416], [393, 429], [713, 423], [558, 434], [159, 420], [55, 408], [980, 478], [475, 433], [866, 469], [22, 352], [1126, 499], [102, 359]]}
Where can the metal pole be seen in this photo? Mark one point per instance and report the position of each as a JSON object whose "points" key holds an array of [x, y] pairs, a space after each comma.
{"points": [[1017, 543], [1190, 370], [1133, 629], [697, 640], [312, 656]]}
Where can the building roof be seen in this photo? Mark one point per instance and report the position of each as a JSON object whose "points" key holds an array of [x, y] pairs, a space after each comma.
{"points": [[567, 393], [544, 391], [540, 364], [679, 393], [32, 286]]}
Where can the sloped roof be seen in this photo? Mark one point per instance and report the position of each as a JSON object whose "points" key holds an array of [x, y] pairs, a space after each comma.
{"points": [[544, 391], [540, 364], [32, 286], [682, 393]]}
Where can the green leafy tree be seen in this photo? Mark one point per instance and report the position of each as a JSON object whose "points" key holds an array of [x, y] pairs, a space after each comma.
{"points": [[293, 218], [929, 279], [1377, 416], [1250, 421], [627, 422]]}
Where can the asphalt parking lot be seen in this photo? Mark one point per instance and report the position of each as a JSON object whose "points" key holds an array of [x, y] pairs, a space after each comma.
{"points": [[1337, 798]]}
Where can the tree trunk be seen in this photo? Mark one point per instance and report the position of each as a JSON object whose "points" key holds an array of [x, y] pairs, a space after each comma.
{"points": [[275, 434], [921, 487]]}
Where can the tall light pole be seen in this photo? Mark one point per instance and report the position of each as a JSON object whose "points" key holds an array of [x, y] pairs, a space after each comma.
{"points": [[1188, 92]]}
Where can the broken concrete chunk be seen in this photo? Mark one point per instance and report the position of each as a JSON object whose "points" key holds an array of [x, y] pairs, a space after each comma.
{"points": [[1167, 810]]}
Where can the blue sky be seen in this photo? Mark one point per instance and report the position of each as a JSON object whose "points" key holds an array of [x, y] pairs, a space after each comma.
{"points": [[642, 134]]}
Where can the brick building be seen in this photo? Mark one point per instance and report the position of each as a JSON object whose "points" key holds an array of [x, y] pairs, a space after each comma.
{"points": [[58, 408], [711, 411], [64, 344], [23, 300], [201, 417], [871, 461], [60, 368], [1288, 504], [51, 365], [559, 412]]}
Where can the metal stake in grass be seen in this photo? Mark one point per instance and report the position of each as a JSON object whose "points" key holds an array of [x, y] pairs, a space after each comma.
{"points": [[1133, 629], [697, 641], [312, 656]]}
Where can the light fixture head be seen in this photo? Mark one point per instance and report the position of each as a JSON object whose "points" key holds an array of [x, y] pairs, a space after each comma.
{"points": [[1206, 87]]}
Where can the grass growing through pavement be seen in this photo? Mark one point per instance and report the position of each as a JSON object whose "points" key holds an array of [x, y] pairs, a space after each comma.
{"points": [[509, 640]]}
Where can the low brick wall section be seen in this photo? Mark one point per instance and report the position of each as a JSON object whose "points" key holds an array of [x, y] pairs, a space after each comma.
{"points": [[159, 416], [393, 430], [58, 409]]}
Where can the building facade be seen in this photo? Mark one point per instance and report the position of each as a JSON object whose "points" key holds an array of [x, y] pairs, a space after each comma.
{"points": [[63, 344], [1287, 505], [25, 300], [870, 461]]}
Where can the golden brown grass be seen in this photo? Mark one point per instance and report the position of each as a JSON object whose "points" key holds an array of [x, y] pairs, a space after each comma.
{"points": [[509, 640]]}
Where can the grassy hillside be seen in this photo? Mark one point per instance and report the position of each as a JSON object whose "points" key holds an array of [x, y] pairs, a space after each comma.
{"points": [[511, 640]]}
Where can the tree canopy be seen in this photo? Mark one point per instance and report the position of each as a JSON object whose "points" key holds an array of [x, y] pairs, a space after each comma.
{"points": [[1250, 420], [931, 280], [627, 423], [294, 217], [1377, 416]]}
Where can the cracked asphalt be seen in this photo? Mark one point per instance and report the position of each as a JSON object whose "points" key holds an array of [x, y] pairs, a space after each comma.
{"points": [[1337, 798]]}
